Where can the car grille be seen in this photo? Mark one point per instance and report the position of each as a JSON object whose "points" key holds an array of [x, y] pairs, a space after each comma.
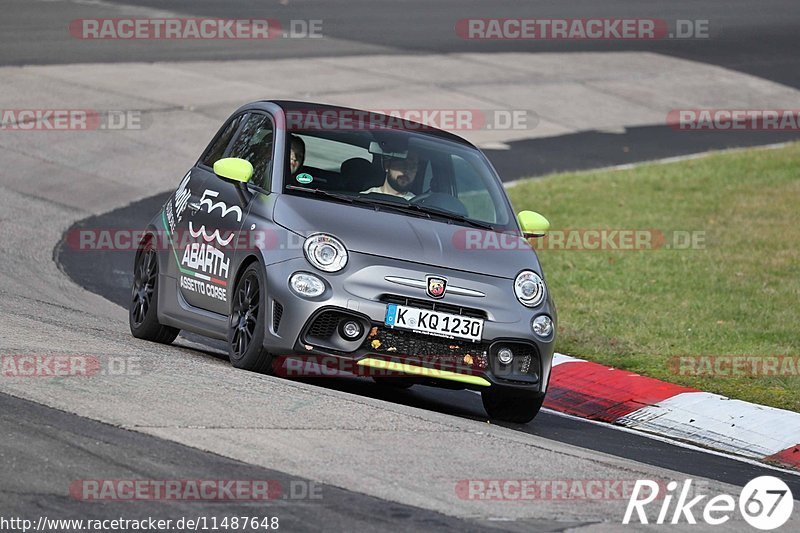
{"points": [[433, 306], [441, 353], [525, 358], [277, 314], [324, 326]]}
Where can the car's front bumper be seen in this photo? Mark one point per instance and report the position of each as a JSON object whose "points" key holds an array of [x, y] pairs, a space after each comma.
{"points": [[361, 291]]}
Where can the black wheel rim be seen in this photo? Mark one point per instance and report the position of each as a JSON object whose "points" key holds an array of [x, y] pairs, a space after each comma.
{"points": [[245, 315], [144, 284]]}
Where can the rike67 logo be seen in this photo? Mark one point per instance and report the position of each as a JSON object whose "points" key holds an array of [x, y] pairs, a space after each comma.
{"points": [[766, 503]]}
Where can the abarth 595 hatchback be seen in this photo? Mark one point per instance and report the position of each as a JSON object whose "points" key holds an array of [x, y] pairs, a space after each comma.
{"points": [[307, 230]]}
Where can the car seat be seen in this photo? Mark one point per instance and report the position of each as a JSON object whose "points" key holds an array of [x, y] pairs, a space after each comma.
{"points": [[358, 174]]}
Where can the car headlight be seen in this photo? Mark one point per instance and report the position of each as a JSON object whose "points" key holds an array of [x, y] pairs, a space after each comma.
{"points": [[325, 252], [530, 288]]}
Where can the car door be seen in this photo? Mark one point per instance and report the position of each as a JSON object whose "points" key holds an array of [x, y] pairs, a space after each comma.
{"points": [[182, 208], [175, 217], [219, 215]]}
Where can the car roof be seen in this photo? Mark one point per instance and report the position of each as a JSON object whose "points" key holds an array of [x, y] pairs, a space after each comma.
{"points": [[396, 123]]}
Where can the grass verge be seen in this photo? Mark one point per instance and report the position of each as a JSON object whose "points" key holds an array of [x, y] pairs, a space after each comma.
{"points": [[713, 302]]}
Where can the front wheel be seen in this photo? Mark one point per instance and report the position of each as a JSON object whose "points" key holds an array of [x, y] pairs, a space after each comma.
{"points": [[510, 405], [246, 323], [143, 309]]}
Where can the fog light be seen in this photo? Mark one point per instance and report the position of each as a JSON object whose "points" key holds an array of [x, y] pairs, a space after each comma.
{"points": [[505, 355], [351, 330], [542, 325], [307, 285]]}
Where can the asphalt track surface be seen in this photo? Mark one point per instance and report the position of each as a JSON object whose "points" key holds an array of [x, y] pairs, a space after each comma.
{"points": [[43, 449], [758, 38], [70, 443]]}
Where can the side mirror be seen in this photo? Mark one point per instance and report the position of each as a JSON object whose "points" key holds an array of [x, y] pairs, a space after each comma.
{"points": [[533, 224], [234, 169]]}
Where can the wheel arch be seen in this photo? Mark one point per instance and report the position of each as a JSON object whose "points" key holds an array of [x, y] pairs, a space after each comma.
{"points": [[150, 234], [243, 265]]}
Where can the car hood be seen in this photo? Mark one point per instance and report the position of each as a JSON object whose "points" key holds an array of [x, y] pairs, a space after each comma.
{"points": [[433, 242]]}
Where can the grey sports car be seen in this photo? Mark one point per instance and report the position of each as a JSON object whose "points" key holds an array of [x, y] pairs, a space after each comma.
{"points": [[385, 246]]}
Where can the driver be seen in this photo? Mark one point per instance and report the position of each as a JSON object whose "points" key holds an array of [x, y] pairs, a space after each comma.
{"points": [[400, 174]]}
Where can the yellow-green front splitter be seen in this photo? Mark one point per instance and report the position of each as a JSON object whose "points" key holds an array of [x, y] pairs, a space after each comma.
{"points": [[424, 371]]}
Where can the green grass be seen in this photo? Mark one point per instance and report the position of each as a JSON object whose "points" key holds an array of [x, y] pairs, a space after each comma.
{"points": [[739, 294]]}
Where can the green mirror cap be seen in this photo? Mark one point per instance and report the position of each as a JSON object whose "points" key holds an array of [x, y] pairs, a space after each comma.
{"points": [[533, 223], [235, 169]]}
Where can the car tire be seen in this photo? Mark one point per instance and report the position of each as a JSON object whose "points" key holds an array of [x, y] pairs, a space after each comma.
{"points": [[143, 308], [396, 383], [246, 322], [511, 405]]}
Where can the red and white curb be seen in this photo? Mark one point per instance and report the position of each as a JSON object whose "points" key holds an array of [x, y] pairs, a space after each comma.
{"points": [[596, 392]]}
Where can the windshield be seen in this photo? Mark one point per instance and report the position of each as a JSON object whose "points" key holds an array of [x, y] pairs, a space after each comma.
{"points": [[417, 172]]}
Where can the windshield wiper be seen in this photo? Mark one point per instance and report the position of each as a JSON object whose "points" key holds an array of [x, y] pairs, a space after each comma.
{"points": [[424, 211], [452, 216], [392, 205], [429, 211], [343, 197], [375, 203]]}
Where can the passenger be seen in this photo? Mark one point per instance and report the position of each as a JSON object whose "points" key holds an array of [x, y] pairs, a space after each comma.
{"points": [[297, 154], [400, 174]]}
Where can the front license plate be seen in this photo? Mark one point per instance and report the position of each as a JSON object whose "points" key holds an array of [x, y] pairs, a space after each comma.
{"points": [[434, 322]]}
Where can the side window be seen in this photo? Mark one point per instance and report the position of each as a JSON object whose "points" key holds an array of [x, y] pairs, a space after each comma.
{"points": [[216, 151], [254, 144]]}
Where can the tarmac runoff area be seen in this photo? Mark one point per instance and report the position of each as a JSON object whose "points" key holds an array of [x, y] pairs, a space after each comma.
{"points": [[580, 106], [193, 398]]}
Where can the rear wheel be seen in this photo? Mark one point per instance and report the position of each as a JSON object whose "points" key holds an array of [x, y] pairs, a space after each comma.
{"points": [[510, 405], [143, 309], [246, 323]]}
